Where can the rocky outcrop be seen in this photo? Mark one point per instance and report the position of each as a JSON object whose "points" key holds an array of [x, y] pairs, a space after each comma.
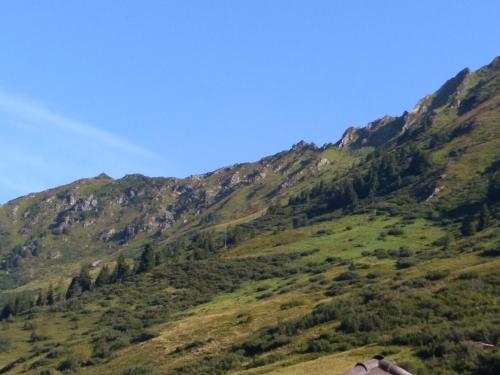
{"points": [[373, 134], [83, 210], [349, 137]]}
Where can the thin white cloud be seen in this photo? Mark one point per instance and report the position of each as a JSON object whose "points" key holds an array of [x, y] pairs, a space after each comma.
{"points": [[36, 112]]}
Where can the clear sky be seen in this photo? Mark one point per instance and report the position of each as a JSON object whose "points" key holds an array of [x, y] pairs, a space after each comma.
{"points": [[173, 88]]}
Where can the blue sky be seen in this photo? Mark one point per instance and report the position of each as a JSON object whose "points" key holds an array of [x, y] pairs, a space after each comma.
{"points": [[173, 88]]}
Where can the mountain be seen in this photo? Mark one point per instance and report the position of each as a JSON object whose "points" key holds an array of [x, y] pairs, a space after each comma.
{"points": [[311, 259]]}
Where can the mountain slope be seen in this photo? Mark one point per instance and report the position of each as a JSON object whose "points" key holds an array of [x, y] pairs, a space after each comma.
{"points": [[386, 241]]}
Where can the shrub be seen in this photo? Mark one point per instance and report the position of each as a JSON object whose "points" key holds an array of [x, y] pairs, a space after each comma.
{"points": [[264, 344], [436, 275], [320, 345], [403, 263], [264, 295], [262, 288], [395, 232], [491, 253], [69, 364], [468, 276], [380, 254], [405, 252], [143, 336], [347, 276]]}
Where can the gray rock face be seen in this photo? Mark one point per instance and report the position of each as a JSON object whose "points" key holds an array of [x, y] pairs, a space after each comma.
{"points": [[373, 134], [349, 137]]}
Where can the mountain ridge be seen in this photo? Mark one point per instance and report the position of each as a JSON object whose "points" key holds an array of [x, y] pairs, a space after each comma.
{"points": [[307, 260], [137, 204]]}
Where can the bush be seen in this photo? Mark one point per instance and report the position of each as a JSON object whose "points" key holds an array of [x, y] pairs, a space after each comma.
{"points": [[347, 276], [395, 232], [264, 295], [468, 276], [143, 336], [69, 364], [405, 252], [436, 275], [403, 263], [491, 253], [264, 344], [320, 345]]}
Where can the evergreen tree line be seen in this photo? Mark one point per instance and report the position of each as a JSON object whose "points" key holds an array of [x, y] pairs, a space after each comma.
{"points": [[470, 225], [477, 221], [203, 245], [200, 245], [24, 302], [386, 172], [83, 281]]}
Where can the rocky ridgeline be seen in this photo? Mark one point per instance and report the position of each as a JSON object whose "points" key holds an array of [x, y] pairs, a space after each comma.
{"points": [[116, 211]]}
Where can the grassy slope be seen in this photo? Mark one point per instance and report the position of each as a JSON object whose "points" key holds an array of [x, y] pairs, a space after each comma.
{"points": [[234, 317]]}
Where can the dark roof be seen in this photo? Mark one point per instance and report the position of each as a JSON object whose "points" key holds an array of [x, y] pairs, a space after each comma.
{"points": [[377, 366]]}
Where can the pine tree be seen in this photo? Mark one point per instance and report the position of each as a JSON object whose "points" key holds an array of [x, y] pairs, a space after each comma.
{"points": [[147, 260], [121, 270], [7, 311], [494, 187], [51, 297], [74, 288], [41, 300], [468, 228], [80, 283], [484, 217], [420, 162], [103, 278], [17, 305], [158, 258], [350, 195], [84, 279]]}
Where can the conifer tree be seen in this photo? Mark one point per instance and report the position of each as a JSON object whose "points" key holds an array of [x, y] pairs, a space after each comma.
{"points": [[420, 162], [74, 288], [41, 300], [7, 311], [484, 217], [17, 305], [468, 228], [494, 187], [351, 195], [104, 277], [147, 260], [158, 258], [51, 297], [79, 284], [121, 270], [84, 279]]}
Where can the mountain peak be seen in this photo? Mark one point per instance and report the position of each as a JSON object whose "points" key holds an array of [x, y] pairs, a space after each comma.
{"points": [[103, 176], [301, 145], [494, 64]]}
